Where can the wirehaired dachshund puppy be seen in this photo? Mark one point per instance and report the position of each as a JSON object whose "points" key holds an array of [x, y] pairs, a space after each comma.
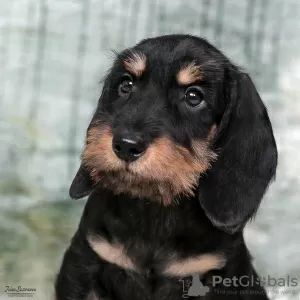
{"points": [[177, 158]]}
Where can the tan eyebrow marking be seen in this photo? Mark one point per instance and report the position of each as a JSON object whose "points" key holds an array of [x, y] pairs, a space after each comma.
{"points": [[112, 253], [135, 63], [199, 264], [189, 74]]}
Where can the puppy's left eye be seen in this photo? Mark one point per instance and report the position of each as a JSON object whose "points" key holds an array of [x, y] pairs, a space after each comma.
{"points": [[126, 85], [193, 96]]}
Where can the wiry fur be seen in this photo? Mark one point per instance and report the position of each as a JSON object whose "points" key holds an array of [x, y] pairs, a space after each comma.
{"points": [[189, 74], [165, 171], [135, 63], [181, 207]]}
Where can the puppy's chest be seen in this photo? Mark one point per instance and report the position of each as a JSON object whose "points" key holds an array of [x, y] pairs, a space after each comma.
{"points": [[154, 259], [153, 240]]}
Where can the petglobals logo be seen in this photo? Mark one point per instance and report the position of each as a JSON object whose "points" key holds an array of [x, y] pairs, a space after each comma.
{"points": [[248, 281], [194, 287], [288, 281], [248, 285], [241, 285]]}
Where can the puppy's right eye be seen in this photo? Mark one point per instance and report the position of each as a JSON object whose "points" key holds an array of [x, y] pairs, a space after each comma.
{"points": [[125, 87], [193, 96]]}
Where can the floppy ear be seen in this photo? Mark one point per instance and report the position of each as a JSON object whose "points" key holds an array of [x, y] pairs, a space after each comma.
{"points": [[232, 190], [82, 184]]}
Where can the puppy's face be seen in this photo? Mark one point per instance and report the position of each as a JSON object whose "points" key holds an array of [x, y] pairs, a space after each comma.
{"points": [[152, 133], [166, 105]]}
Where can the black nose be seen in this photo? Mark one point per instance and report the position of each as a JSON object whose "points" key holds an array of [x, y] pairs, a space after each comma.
{"points": [[128, 148]]}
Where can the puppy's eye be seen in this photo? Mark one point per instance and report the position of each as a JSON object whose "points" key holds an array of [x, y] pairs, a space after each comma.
{"points": [[126, 85], [193, 96]]}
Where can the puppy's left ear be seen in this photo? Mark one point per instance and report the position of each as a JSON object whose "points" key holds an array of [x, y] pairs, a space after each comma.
{"points": [[82, 184], [232, 189]]}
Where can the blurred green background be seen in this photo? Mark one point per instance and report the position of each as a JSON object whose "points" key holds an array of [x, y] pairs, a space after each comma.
{"points": [[53, 55]]}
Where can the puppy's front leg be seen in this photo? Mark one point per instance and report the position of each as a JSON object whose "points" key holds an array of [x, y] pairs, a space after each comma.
{"points": [[75, 278]]}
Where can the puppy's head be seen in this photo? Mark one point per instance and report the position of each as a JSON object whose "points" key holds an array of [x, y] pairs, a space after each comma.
{"points": [[176, 118]]}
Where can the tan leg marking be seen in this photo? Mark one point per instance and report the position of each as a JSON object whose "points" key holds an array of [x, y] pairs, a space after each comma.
{"points": [[200, 264], [112, 253]]}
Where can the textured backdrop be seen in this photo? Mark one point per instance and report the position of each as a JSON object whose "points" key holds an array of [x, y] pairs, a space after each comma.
{"points": [[53, 55]]}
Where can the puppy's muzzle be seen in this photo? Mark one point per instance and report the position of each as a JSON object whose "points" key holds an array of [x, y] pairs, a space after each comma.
{"points": [[128, 147]]}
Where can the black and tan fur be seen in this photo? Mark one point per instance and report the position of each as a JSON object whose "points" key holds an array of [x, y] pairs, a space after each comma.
{"points": [[178, 156]]}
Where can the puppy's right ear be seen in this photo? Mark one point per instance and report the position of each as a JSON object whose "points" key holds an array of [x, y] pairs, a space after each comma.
{"points": [[82, 184]]}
